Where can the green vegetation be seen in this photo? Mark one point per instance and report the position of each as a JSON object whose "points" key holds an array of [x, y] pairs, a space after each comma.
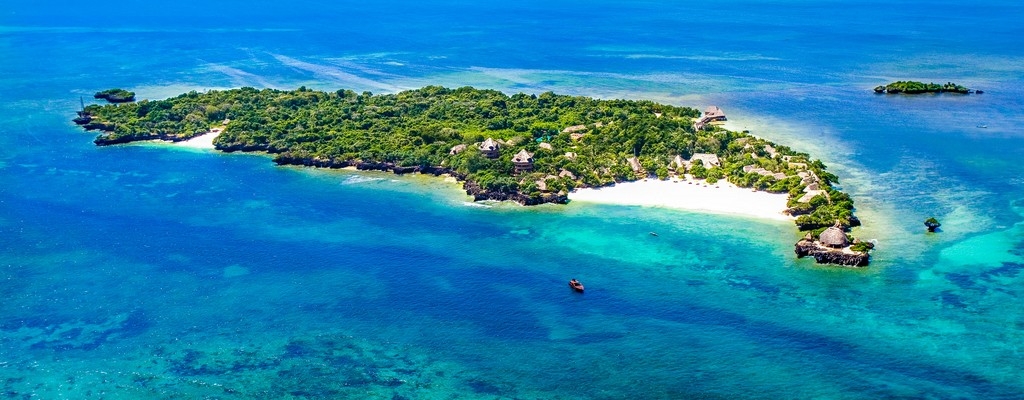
{"points": [[115, 95], [862, 247], [912, 87], [421, 129]]}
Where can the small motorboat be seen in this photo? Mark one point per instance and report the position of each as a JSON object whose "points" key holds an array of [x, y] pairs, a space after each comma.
{"points": [[653, 233], [576, 285]]}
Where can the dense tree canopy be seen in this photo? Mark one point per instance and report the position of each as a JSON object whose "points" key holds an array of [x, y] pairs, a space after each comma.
{"points": [[914, 87]]}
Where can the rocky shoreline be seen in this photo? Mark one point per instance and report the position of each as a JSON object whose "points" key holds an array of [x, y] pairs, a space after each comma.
{"points": [[824, 255]]}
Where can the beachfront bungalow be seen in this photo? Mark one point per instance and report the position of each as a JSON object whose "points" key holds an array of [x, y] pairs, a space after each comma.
{"points": [[770, 150], [710, 160], [522, 161], [834, 237], [489, 148], [810, 195], [763, 172], [677, 163], [713, 113], [457, 149], [808, 178]]}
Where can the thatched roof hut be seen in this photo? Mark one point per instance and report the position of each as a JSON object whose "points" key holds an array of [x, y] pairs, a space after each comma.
{"points": [[574, 128], [677, 162], [545, 146], [523, 161], [710, 160], [834, 237], [457, 149], [489, 148], [713, 113]]}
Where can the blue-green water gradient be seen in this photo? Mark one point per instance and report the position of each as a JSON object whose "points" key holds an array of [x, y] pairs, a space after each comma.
{"points": [[147, 271]]}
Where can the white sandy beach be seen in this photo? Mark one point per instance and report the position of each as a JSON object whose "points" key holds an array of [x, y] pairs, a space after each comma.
{"points": [[204, 141], [689, 195]]}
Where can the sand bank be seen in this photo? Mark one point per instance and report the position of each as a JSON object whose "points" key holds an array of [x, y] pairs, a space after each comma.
{"points": [[689, 195]]}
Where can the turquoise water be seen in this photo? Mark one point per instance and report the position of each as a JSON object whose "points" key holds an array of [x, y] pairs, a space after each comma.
{"points": [[155, 272]]}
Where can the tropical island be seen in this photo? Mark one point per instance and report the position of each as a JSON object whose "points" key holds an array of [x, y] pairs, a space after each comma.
{"points": [[531, 149], [913, 87]]}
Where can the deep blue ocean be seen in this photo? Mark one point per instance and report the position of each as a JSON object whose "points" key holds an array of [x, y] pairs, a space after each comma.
{"points": [[149, 271]]}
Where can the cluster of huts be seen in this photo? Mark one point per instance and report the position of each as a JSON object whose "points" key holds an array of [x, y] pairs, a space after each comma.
{"points": [[490, 148], [523, 160]]}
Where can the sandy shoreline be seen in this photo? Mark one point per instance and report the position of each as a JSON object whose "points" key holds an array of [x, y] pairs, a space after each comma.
{"points": [[204, 141], [689, 195]]}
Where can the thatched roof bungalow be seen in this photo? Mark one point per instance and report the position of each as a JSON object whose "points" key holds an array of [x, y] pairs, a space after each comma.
{"points": [[457, 149], [834, 237], [810, 195], [522, 161], [713, 113], [709, 160], [574, 128], [489, 148]]}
